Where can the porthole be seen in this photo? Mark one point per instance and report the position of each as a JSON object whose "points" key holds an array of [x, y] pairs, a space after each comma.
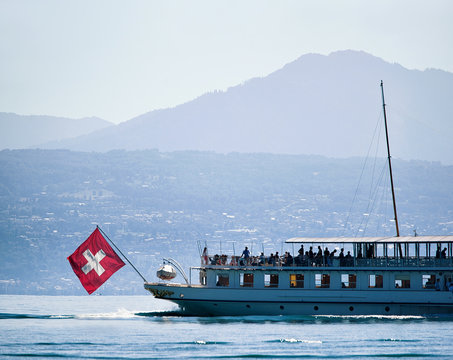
{"points": [[215, 304], [387, 309], [351, 308], [247, 306], [282, 307], [316, 308]]}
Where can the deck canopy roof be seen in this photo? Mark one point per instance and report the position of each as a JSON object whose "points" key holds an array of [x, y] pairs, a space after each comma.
{"points": [[374, 240]]}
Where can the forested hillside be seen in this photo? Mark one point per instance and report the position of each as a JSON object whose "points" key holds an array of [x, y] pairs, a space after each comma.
{"points": [[155, 204]]}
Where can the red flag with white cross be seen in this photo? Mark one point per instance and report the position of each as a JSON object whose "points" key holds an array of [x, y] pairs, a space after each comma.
{"points": [[94, 261]]}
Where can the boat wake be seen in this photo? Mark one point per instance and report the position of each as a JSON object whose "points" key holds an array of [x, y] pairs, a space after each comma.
{"points": [[124, 314], [6, 316]]}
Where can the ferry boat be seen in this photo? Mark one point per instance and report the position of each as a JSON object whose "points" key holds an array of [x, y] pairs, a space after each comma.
{"points": [[400, 275]]}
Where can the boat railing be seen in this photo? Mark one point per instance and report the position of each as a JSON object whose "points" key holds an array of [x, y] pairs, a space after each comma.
{"points": [[382, 261]]}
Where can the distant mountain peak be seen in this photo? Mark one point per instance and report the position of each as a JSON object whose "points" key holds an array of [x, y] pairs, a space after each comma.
{"points": [[316, 104], [23, 131]]}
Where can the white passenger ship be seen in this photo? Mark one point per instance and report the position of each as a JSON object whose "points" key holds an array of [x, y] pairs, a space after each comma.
{"points": [[381, 276]]}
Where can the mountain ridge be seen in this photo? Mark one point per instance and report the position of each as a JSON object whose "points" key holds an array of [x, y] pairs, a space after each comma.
{"points": [[316, 104], [28, 131]]}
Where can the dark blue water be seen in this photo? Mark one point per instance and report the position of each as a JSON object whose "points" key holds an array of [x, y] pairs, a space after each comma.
{"points": [[140, 327]]}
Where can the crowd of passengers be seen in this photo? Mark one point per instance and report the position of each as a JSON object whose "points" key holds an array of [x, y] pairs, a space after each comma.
{"points": [[304, 258]]}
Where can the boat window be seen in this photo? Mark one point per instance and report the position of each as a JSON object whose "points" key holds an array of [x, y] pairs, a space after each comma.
{"points": [[322, 280], [402, 281], [270, 280], [296, 280], [376, 281], [246, 280], [348, 281], [428, 281], [222, 280]]}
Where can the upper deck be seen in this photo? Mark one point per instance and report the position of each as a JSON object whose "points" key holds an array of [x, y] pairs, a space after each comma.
{"points": [[433, 252], [437, 239]]}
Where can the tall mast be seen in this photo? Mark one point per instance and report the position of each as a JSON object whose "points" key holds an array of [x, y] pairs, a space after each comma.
{"points": [[390, 162]]}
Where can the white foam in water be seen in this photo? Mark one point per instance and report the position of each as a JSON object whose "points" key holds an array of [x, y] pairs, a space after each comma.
{"points": [[292, 340], [119, 314], [390, 317], [200, 342]]}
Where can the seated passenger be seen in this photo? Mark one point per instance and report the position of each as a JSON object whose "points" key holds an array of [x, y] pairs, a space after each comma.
{"points": [[429, 284], [214, 259], [277, 258], [234, 261], [298, 260], [288, 259], [271, 260], [306, 260]]}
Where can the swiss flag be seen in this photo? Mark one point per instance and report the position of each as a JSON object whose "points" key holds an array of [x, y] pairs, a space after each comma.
{"points": [[94, 261]]}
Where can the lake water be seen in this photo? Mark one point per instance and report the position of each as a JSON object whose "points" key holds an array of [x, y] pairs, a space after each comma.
{"points": [[141, 327]]}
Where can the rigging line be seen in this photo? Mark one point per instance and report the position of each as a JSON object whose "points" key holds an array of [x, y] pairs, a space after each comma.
{"points": [[198, 245], [384, 192], [369, 207], [116, 247], [361, 174], [373, 200], [376, 154]]}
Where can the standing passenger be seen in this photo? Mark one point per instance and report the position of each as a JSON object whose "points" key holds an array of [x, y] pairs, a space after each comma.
{"points": [[246, 255], [326, 256], [301, 250], [341, 257], [262, 259]]}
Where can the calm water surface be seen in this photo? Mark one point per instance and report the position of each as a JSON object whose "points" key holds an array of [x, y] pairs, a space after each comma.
{"points": [[141, 327]]}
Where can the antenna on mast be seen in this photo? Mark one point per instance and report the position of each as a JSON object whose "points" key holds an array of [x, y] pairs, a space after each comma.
{"points": [[390, 162]]}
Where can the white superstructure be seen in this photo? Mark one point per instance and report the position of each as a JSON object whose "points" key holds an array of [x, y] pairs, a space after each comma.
{"points": [[384, 276]]}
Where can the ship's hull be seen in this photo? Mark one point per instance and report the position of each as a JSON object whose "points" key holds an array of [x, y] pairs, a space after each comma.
{"points": [[202, 301]]}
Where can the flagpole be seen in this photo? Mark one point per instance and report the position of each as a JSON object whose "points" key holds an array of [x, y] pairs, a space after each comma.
{"points": [[116, 247]]}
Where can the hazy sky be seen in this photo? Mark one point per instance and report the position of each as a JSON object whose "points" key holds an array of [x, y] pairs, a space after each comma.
{"points": [[119, 59]]}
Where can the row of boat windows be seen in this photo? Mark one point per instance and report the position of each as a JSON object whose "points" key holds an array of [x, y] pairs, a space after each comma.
{"points": [[348, 281]]}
